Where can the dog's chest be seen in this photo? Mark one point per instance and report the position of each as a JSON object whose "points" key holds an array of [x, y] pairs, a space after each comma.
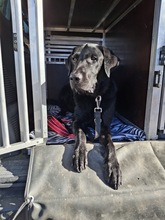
{"points": [[85, 108]]}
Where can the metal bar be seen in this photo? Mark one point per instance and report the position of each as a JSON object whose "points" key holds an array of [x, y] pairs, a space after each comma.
{"points": [[38, 67], [57, 57], [34, 69], [3, 110], [16, 11], [58, 42], [72, 38], [72, 5], [123, 15], [55, 62], [41, 64], [111, 8], [80, 29], [161, 120], [103, 41], [59, 46], [21, 145], [72, 43], [50, 49]]}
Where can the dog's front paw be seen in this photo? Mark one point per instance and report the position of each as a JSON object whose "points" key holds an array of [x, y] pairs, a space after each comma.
{"points": [[114, 174], [80, 158]]}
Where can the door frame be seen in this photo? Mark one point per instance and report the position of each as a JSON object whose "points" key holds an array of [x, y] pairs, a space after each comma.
{"points": [[155, 84]]}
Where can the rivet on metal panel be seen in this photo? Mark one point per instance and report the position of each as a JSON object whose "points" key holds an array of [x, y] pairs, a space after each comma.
{"points": [[15, 46]]}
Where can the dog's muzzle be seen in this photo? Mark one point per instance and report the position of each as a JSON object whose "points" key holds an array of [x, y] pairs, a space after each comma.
{"points": [[79, 84]]}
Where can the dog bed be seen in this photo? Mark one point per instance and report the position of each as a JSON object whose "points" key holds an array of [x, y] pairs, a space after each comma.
{"points": [[60, 128]]}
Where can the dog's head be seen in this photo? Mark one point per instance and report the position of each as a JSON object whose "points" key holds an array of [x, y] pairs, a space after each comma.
{"points": [[84, 65]]}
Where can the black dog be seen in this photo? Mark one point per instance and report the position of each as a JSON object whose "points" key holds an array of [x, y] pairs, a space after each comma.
{"points": [[94, 95]]}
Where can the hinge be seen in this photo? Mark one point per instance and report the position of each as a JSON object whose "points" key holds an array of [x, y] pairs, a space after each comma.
{"points": [[158, 74], [162, 56], [15, 45], [157, 78]]}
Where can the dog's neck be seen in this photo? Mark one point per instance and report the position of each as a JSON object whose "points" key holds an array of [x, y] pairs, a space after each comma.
{"points": [[101, 87]]}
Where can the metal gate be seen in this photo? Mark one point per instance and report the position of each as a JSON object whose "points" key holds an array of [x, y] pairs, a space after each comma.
{"points": [[36, 44]]}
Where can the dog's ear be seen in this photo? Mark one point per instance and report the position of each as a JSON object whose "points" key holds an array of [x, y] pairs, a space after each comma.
{"points": [[110, 60], [69, 64]]}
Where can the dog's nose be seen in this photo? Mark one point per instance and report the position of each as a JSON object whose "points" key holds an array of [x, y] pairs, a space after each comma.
{"points": [[76, 78]]}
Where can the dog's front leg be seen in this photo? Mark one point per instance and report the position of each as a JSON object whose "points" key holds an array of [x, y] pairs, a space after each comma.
{"points": [[112, 164], [80, 154]]}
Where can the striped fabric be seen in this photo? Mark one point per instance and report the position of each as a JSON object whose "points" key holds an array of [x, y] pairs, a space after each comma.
{"points": [[61, 131]]}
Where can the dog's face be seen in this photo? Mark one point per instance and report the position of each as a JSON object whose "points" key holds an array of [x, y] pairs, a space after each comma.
{"points": [[84, 65]]}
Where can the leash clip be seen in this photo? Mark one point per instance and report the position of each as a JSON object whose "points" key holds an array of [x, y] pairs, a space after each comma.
{"points": [[98, 102]]}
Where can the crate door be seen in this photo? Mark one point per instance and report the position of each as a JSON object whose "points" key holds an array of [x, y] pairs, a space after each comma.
{"points": [[155, 105], [35, 42]]}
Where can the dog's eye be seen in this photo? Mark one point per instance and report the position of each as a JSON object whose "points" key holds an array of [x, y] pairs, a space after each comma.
{"points": [[94, 58], [75, 59]]}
